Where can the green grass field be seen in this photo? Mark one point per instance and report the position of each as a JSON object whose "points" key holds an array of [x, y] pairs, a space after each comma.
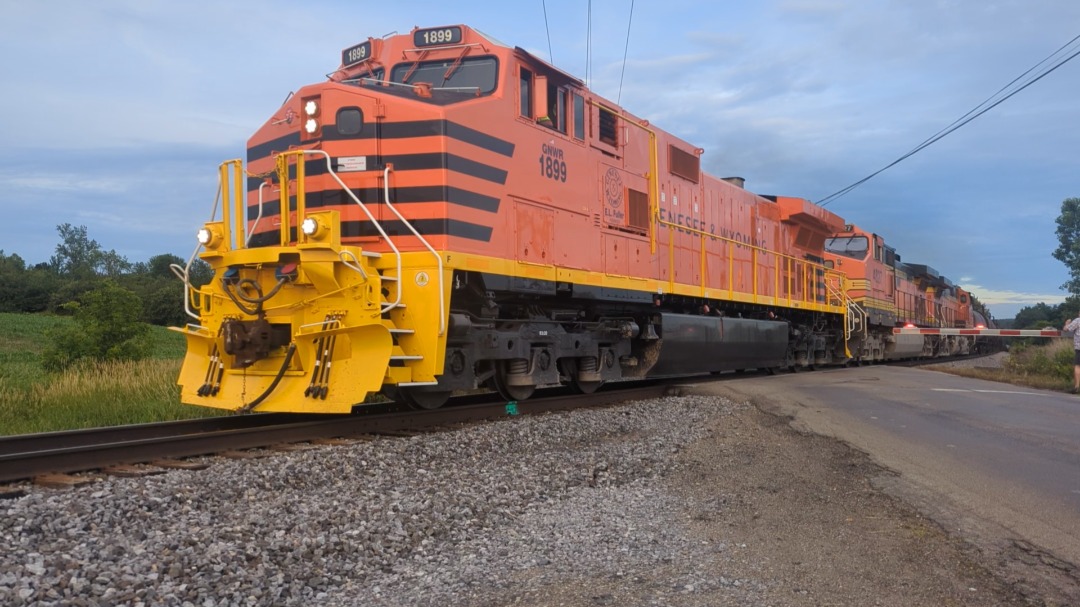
{"points": [[107, 394]]}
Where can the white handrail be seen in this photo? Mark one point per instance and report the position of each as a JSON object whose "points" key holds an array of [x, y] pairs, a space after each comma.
{"points": [[258, 218], [375, 222], [185, 272], [438, 258]]}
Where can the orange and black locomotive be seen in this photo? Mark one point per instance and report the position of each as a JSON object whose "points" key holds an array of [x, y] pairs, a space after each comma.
{"points": [[446, 212]]}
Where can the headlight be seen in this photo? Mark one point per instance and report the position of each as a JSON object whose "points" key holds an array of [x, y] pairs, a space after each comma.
{"points": [[311, 107], [311, 126], [211, 236], [309, 226]]}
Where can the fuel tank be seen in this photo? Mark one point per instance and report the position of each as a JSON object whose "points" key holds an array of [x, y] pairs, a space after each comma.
{"points": [[707, 344]]}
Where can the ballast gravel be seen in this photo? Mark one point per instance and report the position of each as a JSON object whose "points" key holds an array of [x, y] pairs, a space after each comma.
{"points": [[688, 501], [510, 512]]}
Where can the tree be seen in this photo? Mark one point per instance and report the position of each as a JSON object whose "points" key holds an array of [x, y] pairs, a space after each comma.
{"points": [[113, 264], [1068, 233], [80, 257], [1068, 309], [107, 327], [24, 289], [161, 291], [77, 256], [1030, 317], [161, 265]]}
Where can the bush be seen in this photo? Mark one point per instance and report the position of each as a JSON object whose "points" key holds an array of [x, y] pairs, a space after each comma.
{"points": [[107, 328], [1052, 360]]}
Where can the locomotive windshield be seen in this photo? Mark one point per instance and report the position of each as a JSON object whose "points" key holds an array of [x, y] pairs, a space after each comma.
{"points": [[469, 76], [854, 247]]}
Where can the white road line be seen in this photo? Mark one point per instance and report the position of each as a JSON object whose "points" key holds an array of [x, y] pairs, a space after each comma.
{"points": [[991, 391]]}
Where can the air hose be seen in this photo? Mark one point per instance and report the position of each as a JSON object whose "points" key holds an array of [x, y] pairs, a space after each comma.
{"points": [[273, 385]]}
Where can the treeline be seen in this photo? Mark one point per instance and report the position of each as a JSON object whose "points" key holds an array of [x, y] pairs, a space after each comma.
{"points": [[81, 267], [1041, 315]]}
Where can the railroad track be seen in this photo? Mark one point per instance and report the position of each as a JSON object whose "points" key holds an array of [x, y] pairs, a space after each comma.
{"points": [[43, 457]]}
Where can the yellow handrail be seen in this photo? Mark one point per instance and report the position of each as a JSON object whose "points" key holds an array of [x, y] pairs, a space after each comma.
{"points": [[806, 269]]}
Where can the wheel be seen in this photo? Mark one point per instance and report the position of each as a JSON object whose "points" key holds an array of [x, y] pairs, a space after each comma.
{"points": [[507, 391], [422, 398]]}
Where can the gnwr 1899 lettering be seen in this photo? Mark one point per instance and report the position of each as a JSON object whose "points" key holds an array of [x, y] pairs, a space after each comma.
{"points": [[552, 164]]}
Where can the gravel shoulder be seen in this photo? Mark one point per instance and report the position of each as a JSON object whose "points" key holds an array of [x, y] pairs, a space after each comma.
{"points": [[685, 501]]}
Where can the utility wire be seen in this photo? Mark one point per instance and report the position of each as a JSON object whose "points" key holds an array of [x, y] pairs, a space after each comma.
{"points": [[966, 118], [588, 44], [551, 56], [625, 51], [1002, 89]]}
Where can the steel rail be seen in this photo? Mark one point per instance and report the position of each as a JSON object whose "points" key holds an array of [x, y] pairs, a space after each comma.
{"points": [[44, 441], [23, 458]]}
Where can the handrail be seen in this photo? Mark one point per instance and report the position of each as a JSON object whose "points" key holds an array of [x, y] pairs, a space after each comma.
{"points": [[438, 258], [802, 264], [258, 218], [222, 197], [301, 211], [840, 293], [228, 202], [184, 274]]}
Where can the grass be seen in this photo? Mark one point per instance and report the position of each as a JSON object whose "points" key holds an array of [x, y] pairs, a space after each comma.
{"points": [[1047, 366], [86, 396]]}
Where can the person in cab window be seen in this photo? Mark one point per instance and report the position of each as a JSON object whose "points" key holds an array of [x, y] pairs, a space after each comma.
{"points": [[551, 119]]}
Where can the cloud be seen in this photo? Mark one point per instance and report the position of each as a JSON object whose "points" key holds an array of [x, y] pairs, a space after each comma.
{"points": [[995, 297], [62, 182]]}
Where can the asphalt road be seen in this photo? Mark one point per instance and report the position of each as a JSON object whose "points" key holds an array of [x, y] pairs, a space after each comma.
{"points": [[995, 464]]}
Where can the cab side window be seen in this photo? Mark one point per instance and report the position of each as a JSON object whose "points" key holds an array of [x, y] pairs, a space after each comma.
{"points": [[525, 93], [559, 119], [579, 117]]}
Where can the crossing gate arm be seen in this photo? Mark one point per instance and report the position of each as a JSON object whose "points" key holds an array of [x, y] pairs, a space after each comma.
{"points": [[979, 332]]}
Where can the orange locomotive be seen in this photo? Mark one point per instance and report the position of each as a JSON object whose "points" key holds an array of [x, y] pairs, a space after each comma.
{"points": [[447, 212], [896, 294]]}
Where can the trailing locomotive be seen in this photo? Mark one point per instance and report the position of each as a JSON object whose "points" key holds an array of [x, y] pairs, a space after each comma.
{"points": [[446, 212], [889, 293]]}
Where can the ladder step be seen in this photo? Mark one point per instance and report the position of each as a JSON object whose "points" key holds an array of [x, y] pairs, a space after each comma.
{"points": [[406, 357], [402, 331], [388, 278], [372, 254], [407, 384]]}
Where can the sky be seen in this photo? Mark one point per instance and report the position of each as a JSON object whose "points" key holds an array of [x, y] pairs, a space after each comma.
{"points": [[116, 113]]}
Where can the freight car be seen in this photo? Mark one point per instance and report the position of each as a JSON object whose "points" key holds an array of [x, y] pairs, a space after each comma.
{"points": [[446, 212]]}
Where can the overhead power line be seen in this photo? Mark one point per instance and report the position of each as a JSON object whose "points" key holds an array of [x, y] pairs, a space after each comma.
{"points": [[626, 50], [974, 113], [551, 56], [588, 44]]}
